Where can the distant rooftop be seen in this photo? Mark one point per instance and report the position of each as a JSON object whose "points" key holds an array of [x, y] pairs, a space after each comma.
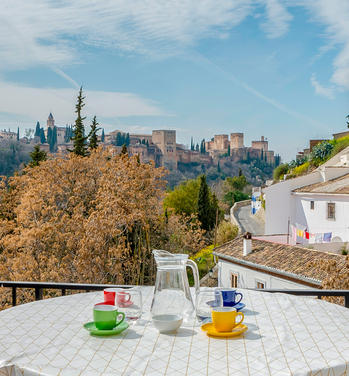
{"points": [[286, 261], [335, 186]]}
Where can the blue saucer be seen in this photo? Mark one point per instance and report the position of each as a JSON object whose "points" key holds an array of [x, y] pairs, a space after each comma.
{"points": [[239, 306]]}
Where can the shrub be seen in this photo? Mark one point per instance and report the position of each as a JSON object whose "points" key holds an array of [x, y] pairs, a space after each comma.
{"points": [[302, 169], [280, 171], [226, 231], [321, 152], [340, 145]]}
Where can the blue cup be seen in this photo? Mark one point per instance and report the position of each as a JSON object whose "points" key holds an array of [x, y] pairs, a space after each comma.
{"points": [[230, 297]]}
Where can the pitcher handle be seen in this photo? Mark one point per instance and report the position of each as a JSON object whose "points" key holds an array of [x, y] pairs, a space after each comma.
{"points": [[194, 268]]}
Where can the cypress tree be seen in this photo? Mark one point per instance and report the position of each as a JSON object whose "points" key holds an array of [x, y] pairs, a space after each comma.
{"points": [[204, 205], [191, 144], [42, 136], [228, 150], [147, 143], [79, 139], [53, 139], [197, 148], [49, 135], [240, 172], [37, 130], [119, 139], [127, 139], [37, 156], [218, 167], [93, 139], [103, 136], [18, 134]]}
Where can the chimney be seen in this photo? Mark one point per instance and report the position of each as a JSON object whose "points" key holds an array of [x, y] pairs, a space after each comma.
{"points": [[247, 241]]}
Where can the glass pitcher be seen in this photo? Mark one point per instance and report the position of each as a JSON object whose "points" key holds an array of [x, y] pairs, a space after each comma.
{"points": [[172, 294]]}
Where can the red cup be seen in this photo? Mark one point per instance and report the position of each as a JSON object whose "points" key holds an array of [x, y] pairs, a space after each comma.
{"points": [[122, 298], [109, 295]]}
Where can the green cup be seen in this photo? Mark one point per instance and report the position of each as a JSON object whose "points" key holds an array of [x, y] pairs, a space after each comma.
{"points": [[106, 316]]}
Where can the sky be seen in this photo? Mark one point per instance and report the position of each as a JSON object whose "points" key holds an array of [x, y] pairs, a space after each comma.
{"points": [[277, 68]]}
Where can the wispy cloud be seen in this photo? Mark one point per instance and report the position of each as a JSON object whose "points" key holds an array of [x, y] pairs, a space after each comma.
{"points": [[101, 103], [321, 90], [66, 77], [334, 15], [279, 106], [277, 19]]}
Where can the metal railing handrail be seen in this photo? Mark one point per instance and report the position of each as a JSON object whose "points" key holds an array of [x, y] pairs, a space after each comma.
{"points": [[40, 286], [312, 292]]}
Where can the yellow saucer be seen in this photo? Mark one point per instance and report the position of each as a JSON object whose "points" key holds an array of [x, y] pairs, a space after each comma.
{"points": [[211, 330]]}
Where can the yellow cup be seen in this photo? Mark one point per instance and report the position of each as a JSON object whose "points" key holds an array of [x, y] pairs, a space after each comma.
{"points": [[224, 318]]}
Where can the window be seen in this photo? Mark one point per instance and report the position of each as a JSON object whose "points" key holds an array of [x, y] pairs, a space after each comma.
{"points": [[331, 210], [260, 285], [234, 280], [311, 205]]}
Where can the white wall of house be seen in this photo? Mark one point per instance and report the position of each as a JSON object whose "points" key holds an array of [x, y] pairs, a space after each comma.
{"points": [[248, 278], [278, 202], [315, 220]]}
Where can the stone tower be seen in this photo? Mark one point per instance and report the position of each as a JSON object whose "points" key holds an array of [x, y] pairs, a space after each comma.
{"points": [[236, 140], [165, 140], [50, 121]]}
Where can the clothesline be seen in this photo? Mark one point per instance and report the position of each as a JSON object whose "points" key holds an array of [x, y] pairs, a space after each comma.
{"points": [[319, 237]]}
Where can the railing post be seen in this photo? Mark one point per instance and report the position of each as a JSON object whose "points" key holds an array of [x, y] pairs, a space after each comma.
{"points": [[14, 296], [346, 300], [63, 292], [38, 293]]}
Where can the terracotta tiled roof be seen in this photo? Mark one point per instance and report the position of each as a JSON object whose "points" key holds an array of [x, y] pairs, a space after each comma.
{"points": [[286, 260], [334, 186]]}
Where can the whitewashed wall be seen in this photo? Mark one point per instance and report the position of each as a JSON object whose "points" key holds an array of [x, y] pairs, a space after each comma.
{"points": [[278, 202], [316, 220], [248, 278]]}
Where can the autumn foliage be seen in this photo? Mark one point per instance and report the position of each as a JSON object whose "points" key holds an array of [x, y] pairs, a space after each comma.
{"points": [[89, 219]]}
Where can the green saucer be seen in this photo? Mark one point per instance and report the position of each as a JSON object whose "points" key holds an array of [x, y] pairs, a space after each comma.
{"points": [[91, 327]]}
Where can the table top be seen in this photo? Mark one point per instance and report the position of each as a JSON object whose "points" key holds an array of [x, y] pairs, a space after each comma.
{"points": [[287, 335]]}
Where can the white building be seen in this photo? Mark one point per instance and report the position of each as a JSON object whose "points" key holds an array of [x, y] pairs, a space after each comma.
{"points": [[322, 208], [263, 264], [284, 206]]}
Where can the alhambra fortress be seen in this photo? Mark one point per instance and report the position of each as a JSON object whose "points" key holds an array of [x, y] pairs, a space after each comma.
{"points": [[162, 148]]}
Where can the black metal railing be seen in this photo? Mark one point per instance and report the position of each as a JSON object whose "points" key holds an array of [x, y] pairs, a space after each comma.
{"points": [[64, 287], [318, 293], [40, 286]]}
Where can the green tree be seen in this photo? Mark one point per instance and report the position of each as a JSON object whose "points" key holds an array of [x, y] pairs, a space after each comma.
{"points": [[37, 130], [184, 198], [218, 167], [42, 136], [118, 139], [197, 148], [79, 139], [18, 134], [127, 139], [191, 144], [103, 136], [37, 156], [228, 152], [93, 138], [280, 171], [52, 139], [347, 117], [206, 213]]}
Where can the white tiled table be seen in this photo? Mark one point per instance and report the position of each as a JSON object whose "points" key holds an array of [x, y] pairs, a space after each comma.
{"points": [[287, 335]]}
